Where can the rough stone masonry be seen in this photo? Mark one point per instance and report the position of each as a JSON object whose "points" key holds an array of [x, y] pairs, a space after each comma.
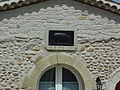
{"points": [[22, 41]]}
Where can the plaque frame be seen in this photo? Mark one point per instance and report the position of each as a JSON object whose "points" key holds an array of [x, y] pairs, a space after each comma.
{"points": [[60, 28]]}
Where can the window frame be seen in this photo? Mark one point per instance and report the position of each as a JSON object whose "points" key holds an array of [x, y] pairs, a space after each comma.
{"points": [[76, 74], [55, 47]]}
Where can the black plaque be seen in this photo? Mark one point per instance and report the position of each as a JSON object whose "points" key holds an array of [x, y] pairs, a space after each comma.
{"points": [[61, 38]]}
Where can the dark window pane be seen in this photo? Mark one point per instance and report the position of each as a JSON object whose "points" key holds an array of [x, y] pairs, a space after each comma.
{"points": [[68, 76], [47, 81], [69, 81], [61, 38]]}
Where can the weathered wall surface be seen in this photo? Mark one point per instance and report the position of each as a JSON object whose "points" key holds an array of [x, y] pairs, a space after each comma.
{"points": [[22, 41]]}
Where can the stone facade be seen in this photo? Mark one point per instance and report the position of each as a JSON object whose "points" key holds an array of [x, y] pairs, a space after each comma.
{"points": [[31, 81], [22, 43]]}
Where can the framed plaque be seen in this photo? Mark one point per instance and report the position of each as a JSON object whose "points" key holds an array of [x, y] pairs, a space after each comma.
{"points": [[60, 38]]}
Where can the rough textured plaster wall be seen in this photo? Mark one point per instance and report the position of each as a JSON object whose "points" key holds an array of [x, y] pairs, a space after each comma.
{"points": [[22, 41]]}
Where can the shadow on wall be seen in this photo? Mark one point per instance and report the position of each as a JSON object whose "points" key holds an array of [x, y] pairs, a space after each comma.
{"points": [[52, 3]]}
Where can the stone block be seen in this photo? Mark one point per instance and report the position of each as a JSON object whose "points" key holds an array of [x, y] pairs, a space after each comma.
{"points": [[38, 59], [36, 48], [53, 60], [90, 49], [15, 74], [82, 18], [90, 84], [65, 7], [8, 88], [61, 58], [92, 17]]}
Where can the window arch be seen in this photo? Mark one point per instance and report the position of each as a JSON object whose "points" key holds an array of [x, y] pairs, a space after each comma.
{"points": [[31, 81], [114, 80], [60, 77]]}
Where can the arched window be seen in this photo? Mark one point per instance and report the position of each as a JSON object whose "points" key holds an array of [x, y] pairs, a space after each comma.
{"points": [[59, 78], [117, 86]]}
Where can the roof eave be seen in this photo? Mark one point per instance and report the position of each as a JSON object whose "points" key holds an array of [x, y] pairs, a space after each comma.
{"points": [[109, 6]]}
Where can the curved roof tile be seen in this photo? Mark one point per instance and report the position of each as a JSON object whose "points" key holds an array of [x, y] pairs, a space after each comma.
{"points": [[103, 4]]}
